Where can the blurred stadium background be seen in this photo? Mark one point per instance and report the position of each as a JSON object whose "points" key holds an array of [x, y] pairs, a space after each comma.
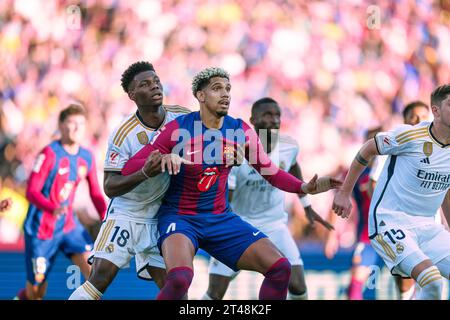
{"points": [[336, 68]]}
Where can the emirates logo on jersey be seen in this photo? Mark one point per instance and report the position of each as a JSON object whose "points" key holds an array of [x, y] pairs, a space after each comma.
{"points": [[209, 177]]}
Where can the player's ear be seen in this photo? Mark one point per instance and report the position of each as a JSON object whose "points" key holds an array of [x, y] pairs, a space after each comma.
{"points": [[200, 95]]}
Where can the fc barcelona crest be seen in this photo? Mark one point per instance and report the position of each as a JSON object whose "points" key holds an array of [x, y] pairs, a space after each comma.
{"points": [[428, 148], [142, 137]]}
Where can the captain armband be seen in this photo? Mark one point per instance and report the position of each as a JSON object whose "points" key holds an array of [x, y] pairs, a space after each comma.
{"points": [[361, 160]]}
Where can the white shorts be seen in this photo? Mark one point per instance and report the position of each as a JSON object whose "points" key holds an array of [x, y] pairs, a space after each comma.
{"points": [[119, 240], [394, 243], [280, 237]]}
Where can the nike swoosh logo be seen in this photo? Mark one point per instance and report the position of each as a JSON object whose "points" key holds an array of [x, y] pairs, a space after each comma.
{"points": [[63, 171], [256, 233], [192, 152]]}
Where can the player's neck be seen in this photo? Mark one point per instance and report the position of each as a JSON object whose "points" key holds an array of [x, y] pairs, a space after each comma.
{"points": [[152, 117], [70, 147], [441, 132], [211, 121]]}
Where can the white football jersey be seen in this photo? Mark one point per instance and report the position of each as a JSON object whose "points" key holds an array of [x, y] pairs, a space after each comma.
{"points": [[254, 198], [416, 176], [142, 203]]}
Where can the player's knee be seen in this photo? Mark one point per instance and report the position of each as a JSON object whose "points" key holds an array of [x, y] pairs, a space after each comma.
{"points": [[280, 270]]}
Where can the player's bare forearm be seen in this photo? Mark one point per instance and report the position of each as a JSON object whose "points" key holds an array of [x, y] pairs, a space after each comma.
{"points": [[446, 207], [342, 205], [116, 184], [361, 160]]}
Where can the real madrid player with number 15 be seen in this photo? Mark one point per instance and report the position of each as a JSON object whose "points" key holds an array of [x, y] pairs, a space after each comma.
{"points": [[413, 185]]}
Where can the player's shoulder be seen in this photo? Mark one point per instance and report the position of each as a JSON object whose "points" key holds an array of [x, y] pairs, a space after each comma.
{"points": [[176, 109], [125, 127], [408, 133]]}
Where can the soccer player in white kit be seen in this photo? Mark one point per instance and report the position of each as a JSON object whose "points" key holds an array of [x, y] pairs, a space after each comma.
{"points": [[413, 113], [130, 226], [413, 185], [262, 205]]}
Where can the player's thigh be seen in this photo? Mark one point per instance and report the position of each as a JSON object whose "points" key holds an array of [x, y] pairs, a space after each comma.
{"points": [[115, 242], [149, 262], [259, 256], [178, 239], [178, 251]]}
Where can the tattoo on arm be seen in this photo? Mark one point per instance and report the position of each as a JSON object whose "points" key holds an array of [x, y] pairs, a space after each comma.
{"points": [[361, 160]]}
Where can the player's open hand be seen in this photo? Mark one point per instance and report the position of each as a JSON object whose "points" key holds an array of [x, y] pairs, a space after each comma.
{"points": [[5, 204], [342, 204], [152, 166], [319, 185], [173, 163], [313, 216]]}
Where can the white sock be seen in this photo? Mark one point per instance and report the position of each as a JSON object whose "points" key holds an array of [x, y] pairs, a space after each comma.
{"points": [[206, 297], [303, 296], [86, 292], [430, 282]]}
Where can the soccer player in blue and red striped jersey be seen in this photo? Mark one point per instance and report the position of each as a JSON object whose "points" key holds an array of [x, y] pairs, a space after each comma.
{"points": [[195, 211], [50, 225]]}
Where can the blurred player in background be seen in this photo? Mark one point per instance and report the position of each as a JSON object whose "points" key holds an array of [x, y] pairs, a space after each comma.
{"points": [[413, 185], [50, 225], [130, 228], [262, 205], [195, 212]]}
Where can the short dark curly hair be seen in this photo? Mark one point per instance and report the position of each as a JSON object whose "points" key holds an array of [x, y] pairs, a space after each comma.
{"points": [[132, 71]]}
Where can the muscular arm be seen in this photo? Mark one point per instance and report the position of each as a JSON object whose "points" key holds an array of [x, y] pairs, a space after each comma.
{"points": [[342, 200], [297, 172], [116, 184], [446, 207], [37, 179], [95, 192]]}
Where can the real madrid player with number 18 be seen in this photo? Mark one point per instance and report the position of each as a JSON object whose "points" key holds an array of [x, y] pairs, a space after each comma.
{"points": [[130, 229], [413, 185]]}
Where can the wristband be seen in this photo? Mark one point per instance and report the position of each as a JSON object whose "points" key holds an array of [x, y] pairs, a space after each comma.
{"points": [[305, 201], [143, 172]]}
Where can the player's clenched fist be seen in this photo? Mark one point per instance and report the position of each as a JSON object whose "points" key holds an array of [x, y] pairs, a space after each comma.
{"points": [[152, 166], [342, 204], [319, 185]]}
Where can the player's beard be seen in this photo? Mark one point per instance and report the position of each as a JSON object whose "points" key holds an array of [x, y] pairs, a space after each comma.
{"points": [[221, 113]]}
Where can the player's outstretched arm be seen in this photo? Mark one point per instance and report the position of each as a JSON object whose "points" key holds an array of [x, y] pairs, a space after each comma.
{"points": [[258, 159], [342, 204], [94, 191]]}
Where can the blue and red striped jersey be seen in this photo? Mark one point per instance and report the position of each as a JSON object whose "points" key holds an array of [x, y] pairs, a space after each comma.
{"points": [[52, 184], [202, 187]]}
